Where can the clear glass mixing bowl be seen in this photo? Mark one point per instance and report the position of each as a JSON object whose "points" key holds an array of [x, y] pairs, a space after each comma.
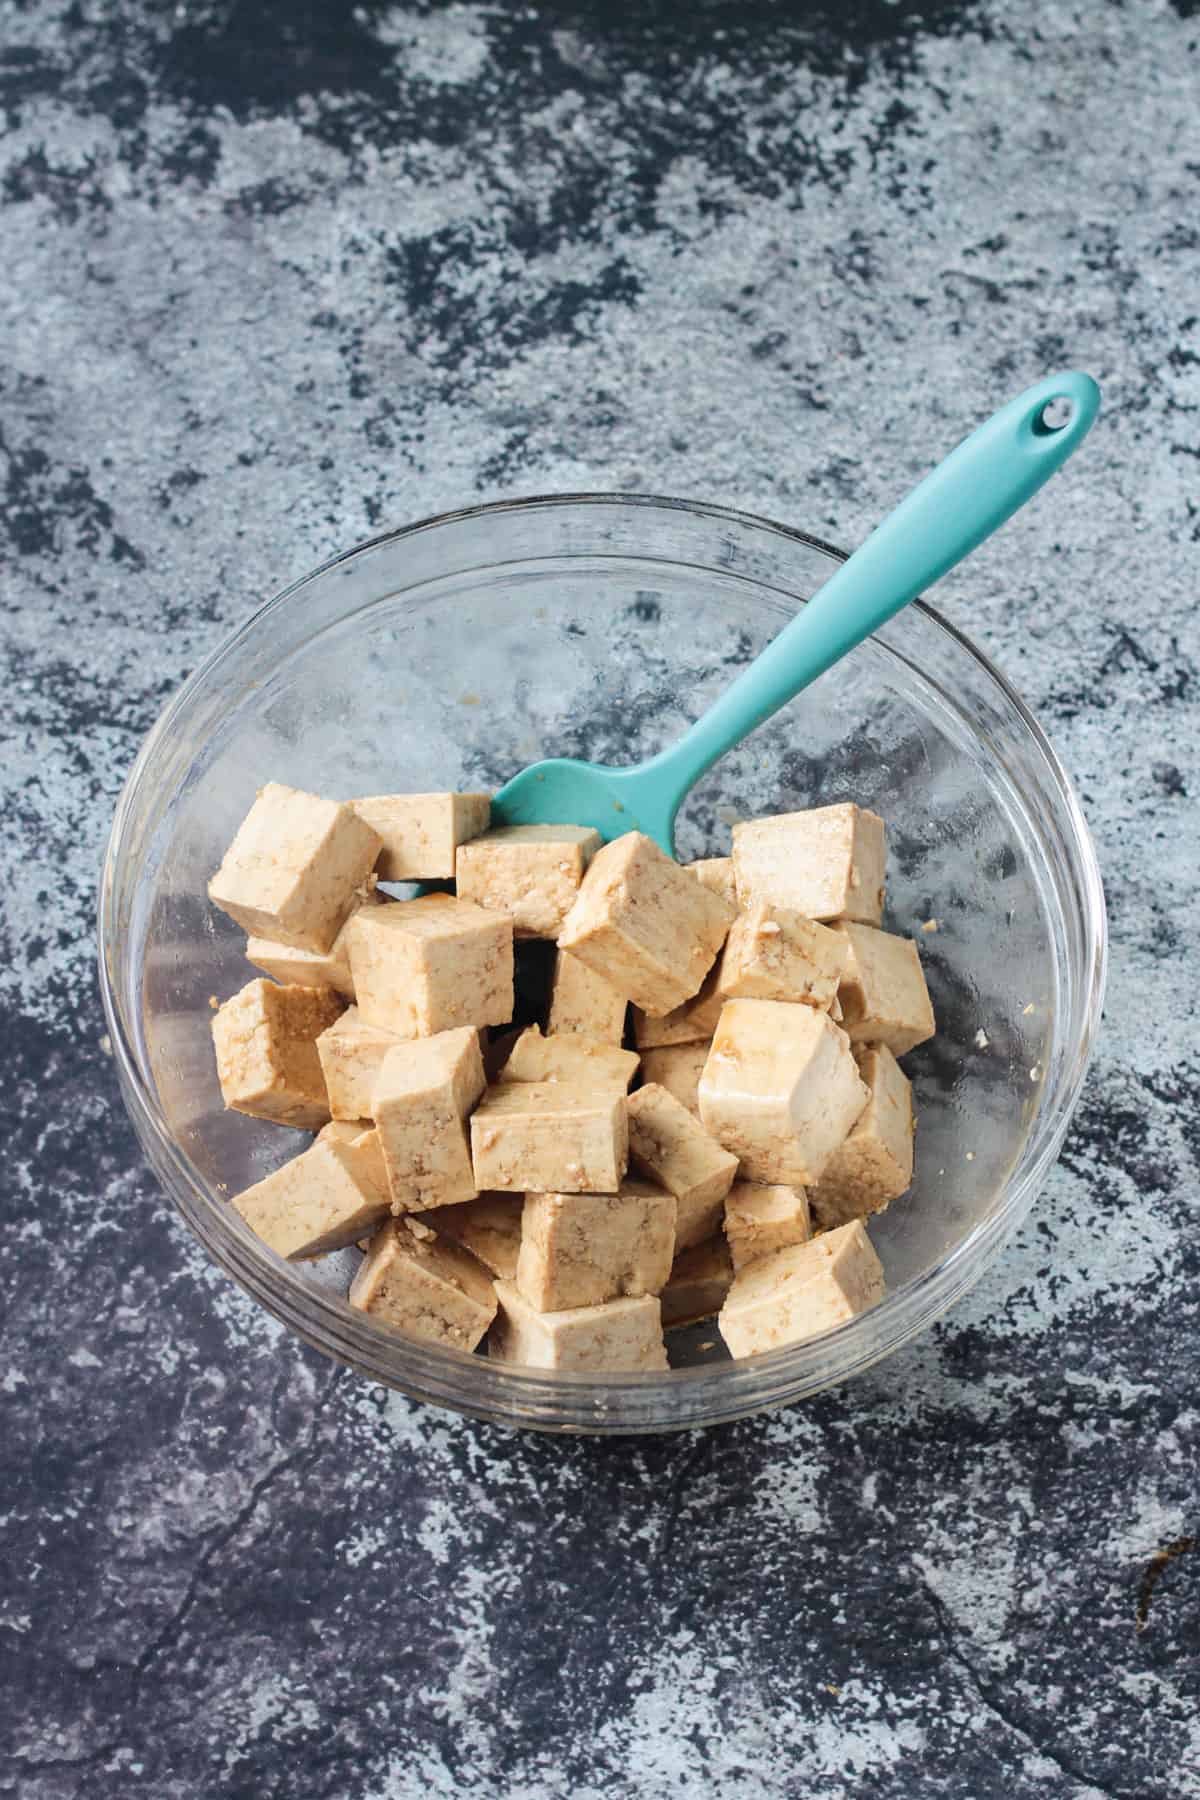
{"points": [[453, 652]]}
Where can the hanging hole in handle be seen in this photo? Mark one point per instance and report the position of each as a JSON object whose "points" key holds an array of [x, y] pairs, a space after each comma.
{"points": [[1055, 415]]}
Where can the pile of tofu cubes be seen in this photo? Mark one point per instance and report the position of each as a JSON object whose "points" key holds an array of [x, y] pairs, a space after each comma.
{"points": [[506, 1183]]}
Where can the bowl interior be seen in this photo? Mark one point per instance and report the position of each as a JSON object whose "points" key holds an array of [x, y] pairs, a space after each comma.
{"points": [[455, 658]]}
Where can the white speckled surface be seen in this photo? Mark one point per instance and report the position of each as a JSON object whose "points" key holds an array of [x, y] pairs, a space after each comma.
{"points": [[276, 276]]}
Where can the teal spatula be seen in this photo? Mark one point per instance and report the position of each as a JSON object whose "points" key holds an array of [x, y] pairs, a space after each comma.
{"points": [[965, 499]]}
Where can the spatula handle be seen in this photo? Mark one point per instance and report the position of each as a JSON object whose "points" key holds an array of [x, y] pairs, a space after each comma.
{"points": [[963, 500]]}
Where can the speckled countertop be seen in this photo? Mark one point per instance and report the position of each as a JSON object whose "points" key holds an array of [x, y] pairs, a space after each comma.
{"points": [[275, 275]]}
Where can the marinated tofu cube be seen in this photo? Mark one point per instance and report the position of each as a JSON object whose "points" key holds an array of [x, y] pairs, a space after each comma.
{"points": [[583, 1002], [293, 870], [420, 833], [577, 1061], [823, 864], [802, 1291], [645, 925], [760, 1220], [619, 1336], [716, 874], [678, 1068], [667, 1144], [531, 872], [692, 1023], [322, 1200], [311, 968], [430, 965], [780, 1089], [875, 1164], [699, 1280], [583, 1249], [267, 1062], [363, 1149], [415, 1283], [883, 993], [489, 1227], [772, 953], [545, 1137], [423, 1095], [351, 1054]]}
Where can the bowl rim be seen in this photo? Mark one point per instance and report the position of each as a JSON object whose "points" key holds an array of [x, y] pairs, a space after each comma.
{"points": [[910, 1308]]}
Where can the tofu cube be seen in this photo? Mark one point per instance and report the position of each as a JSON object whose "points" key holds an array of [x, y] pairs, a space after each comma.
{"points": [[673, 1149], [716, 874], [363, 1150], [351, 1054], [583, 1249], [489, 1227], [692, 1023], [311, 968], [293, 870], [582, 1001], [678, 1068], [430, 965], [772, 953], [699, 1280], [266, 1043], [780, 1089], [423, 1094], [760, 1220], [619, 1336], [825, 864], [883, 993], [427, 1289], [645, 925], [531, 872], [420, 833], [545, 1137], [802, 1291], [577, 1061], [875, 1164], [321, 1200]]}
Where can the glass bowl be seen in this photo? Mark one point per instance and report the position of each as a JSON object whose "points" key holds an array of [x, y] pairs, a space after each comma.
{"points": [[452, 653]]}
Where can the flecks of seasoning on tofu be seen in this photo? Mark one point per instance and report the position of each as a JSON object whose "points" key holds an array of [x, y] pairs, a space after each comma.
{"points": [[762, 1219], [321, 1200], [489, 1227], [293, 870], [692, 1023], [667, 1144], [583, 1249], [780, 1089], [423, 1094], [802, 1291], [716, 874], [825, 864], [351, 1054], [531, 872], [583, 1002], [875, 1164], [361, 1141], [267, 1062], [417, 1284], [311, 968], [617, 1337], [578, 1061], [546, 1137], [699, 1280], [883, 993], [772, 953], [430, 965], [645, 925], [420, 833], [678, 1068]]}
